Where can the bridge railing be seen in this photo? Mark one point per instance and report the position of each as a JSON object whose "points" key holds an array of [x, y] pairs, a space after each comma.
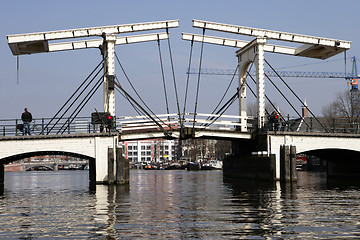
{"points": [[172, 122], [320, 124], [14, 127]]}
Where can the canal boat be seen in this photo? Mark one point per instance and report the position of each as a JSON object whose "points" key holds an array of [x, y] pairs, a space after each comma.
{"points": [[212, 165]]}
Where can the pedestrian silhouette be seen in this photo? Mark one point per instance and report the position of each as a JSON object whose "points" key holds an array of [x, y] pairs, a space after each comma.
{"points": [[26, 117]]}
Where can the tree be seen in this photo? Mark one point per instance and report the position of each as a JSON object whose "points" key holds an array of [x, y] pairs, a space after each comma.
{"points": [[344, 112]]}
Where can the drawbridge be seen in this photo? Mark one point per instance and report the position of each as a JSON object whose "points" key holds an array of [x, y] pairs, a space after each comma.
{"points": [[108, 130]]}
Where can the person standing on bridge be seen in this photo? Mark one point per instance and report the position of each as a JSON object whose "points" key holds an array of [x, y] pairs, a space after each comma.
{"points": [[275, 121], [26, 117]]}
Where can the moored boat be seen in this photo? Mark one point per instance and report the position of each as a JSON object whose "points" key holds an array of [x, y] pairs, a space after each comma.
{"points": [[212, 165]]}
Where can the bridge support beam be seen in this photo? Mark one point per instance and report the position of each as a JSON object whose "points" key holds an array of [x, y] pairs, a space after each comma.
{"points": [[109, 73], [252, 53]]}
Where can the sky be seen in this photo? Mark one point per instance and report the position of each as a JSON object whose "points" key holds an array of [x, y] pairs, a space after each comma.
{"points": [[47, 80]]}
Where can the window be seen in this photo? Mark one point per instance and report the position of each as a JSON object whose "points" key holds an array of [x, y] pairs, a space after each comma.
{"points": [[148, 147], [148, 153], [166, 147], [143, 153], [130, 147], [135, 147], [142, 147]]}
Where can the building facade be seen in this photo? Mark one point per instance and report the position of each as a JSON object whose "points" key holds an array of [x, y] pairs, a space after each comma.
{"points": [[155, 150]]}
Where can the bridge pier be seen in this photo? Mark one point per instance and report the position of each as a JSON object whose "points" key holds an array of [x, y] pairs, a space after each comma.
{"points": [[288, 163], [110, 166], [260, 159]]}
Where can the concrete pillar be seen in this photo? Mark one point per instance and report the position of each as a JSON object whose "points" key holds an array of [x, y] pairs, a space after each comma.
{"points": [[288, 163], [284, 163], [92, 172], [109, 71], [111, 177], [293, 174], [122, 168]]}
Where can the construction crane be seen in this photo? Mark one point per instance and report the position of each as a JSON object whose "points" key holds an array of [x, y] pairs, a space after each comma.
{"points": [[352, 77]]}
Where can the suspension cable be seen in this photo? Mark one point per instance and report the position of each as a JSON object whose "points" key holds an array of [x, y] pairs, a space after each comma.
{"points": [[233, 76], [95, 87], [83, 105], [244, 82], [81, 85], [135, 108], [287, 100], [173, 74], [138, 110], [198, 81], [220, 112], [163, 78], [267, 98], [134, 101], [188, 76], [227, 89], [137, 94], [297, 97]]}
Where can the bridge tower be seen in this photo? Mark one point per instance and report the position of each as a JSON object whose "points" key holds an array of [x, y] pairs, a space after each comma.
{"points": [[252, 52], [41, 42]]}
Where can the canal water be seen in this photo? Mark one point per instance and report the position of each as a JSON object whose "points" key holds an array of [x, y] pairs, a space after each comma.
{"points": [[176, 204]]}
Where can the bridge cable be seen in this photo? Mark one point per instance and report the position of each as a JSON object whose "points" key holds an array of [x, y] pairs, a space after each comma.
{"points": [[138, 105], [188, 77], [138, 110], [85, 99], [233, 76], [42, 132], [73, 102], [173, 74], [198, 81], [135, 108], [137, 94], [267, 98], [297, 96], [226, 91], [287, 100], [84, 104], [163, 78], [222, 98], [221, 111]]}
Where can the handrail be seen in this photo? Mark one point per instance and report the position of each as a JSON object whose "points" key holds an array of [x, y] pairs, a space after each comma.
{"points": [[8, 127]]}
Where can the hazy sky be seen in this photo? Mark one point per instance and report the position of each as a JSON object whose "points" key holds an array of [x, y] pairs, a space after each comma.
{"points": [[47, 80]]}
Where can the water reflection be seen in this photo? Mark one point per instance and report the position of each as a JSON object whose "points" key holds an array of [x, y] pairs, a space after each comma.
{"points": [[176, 204]]}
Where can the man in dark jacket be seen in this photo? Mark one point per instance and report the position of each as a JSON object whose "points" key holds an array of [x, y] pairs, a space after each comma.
{"points": [[26, 117]]}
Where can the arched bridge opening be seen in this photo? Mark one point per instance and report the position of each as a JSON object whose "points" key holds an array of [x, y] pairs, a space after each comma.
{"points": [[55, 164], [337, 162]]}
